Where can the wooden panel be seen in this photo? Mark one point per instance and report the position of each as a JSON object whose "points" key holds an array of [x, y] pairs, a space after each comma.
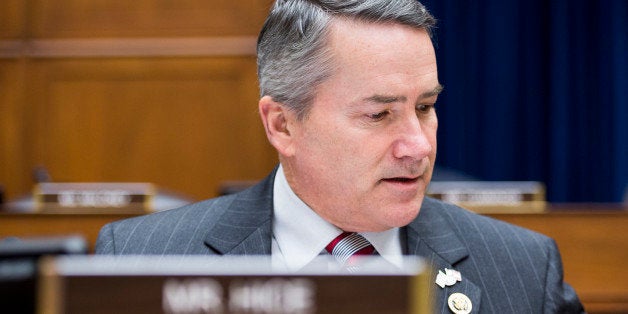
{"points": [[594, 248], [54, 225], [12, 173], [123, 18], [11, 18], [185, 124], [71, 68], [130, 47]]}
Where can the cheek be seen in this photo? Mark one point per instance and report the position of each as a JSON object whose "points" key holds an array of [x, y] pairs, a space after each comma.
{"points": [[333, 142], [321, 154], [429, 129], [348, 155]]}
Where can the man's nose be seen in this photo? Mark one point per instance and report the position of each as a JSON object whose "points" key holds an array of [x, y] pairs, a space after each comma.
{"points": [[412, 141]]}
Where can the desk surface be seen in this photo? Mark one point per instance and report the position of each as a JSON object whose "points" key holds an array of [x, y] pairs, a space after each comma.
{"points": [[593, 240]]}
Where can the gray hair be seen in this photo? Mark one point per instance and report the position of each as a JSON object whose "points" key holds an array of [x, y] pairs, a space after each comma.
{"points": [[292, 54]]}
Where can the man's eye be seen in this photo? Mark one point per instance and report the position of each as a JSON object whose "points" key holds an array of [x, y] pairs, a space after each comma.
{"points": [[424, 108], [378, 116]]}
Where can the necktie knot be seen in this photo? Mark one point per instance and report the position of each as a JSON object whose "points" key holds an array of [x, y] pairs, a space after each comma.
{"points": [[347, 246]]}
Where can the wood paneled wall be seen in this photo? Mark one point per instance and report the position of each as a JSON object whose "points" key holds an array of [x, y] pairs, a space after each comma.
{"points": [[12, 18], [112, 90]]}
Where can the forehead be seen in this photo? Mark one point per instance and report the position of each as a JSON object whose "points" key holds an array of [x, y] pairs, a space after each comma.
{"points": [[378, 58], [350, 38]]}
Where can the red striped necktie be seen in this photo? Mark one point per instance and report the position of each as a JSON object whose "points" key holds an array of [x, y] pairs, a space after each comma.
{"points": [[348, 246]]}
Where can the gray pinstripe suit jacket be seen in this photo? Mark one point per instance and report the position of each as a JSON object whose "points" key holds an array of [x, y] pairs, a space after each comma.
{"points": [[505, 269]]}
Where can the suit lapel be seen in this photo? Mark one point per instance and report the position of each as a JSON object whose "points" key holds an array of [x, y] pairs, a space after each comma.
{"points": [[432, 237], [245, 227]]}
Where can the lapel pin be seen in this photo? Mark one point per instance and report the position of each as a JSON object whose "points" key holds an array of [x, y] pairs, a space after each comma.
{"points": [[453, 273], [448, 278], [459, 303]]}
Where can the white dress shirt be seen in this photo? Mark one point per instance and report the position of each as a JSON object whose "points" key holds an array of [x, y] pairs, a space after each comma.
{"points": [[300, 235]]}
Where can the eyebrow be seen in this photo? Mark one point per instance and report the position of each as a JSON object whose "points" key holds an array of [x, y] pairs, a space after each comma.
{"points": [[386, 99], [434, 92]]}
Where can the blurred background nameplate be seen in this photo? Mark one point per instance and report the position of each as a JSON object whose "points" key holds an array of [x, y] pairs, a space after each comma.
{"points": [[86, 197], [172, 284], [492, 196]]}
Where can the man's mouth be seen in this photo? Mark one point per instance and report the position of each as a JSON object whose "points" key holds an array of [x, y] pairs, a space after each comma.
{"points": [[401, 180]]}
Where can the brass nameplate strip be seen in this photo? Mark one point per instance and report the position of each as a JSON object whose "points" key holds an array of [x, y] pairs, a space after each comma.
{"points": [[491, 196], [85, 197]]}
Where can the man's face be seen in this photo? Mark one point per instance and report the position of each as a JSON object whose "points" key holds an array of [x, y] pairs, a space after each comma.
{"points": [[364, 155]]}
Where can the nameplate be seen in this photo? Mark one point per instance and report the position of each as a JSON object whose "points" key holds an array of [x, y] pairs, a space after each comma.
{"points": [[491, 196], [186, 286], [86, 197]]}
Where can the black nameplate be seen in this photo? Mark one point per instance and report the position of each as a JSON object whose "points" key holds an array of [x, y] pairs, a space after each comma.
{"points": [[230, 289]]}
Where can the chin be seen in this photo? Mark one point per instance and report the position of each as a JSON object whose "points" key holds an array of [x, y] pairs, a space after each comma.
{"points": [[402, 217]]}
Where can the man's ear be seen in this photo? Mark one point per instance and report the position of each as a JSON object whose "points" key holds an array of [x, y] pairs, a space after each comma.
{"points": [[276, 119]]}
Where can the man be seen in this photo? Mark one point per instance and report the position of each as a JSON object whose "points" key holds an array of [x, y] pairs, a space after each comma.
{"points": [[348, 92]]}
